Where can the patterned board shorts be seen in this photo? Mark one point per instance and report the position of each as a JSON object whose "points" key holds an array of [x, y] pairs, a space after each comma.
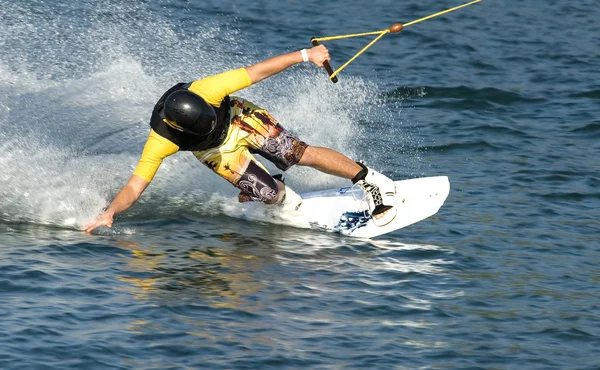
{"points": [[253, 130]]}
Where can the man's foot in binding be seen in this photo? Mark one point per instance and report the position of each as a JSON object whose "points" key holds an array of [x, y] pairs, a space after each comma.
{"points": [[290, 200], [380, 193]]}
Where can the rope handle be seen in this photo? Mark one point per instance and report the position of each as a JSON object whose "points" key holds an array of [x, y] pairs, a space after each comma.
{"points": [[326, 64]]}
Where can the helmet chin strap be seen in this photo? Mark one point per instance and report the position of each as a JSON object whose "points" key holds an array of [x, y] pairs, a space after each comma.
{"points": [[174, 125]]}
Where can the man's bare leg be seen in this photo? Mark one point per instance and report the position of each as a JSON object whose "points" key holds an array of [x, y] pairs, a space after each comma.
{"points": [[333, 163], [330, 161], [325, 160], [322, 159]]}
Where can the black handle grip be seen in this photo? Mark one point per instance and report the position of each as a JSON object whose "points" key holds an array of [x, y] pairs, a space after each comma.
{"points": [[326, 64]]}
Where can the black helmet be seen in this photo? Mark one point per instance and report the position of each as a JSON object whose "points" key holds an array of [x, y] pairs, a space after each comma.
{"points": [[188, 112]]}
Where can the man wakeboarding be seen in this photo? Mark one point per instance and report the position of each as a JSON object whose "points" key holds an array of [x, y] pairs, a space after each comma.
{"points": [[222, 131]]}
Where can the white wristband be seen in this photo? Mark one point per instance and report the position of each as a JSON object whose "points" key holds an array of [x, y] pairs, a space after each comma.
{"points": [[304, 55]]}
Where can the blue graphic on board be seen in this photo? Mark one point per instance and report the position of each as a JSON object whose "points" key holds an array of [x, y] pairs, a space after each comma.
{"points": [[343, 190], [350, 221]]}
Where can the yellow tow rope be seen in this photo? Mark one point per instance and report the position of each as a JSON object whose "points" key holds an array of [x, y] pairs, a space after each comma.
{"points": [[396, 27]]}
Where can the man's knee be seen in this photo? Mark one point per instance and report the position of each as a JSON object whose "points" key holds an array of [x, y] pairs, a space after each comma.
{"points": [[269, 194], [307, 158], [257, 185], [284, 151], [280, 192]]}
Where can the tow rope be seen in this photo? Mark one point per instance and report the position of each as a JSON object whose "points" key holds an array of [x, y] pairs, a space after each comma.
{"points": [[396, 27]]}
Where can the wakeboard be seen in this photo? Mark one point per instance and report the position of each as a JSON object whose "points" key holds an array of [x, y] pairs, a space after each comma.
{"points": [[344, 210]]}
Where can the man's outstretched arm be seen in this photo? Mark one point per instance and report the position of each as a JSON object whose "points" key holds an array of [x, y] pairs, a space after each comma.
{"points": [[130, 193], [258, 72], [156, 149]]}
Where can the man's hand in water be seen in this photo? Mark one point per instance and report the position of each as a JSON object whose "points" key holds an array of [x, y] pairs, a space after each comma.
{"points": [[105, 219], [123, 200]]}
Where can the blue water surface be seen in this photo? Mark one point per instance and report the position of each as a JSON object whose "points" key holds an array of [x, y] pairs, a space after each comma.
{"points": [[501, 96]]}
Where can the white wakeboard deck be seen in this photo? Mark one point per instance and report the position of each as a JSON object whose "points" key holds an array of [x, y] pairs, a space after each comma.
{"points": [[344, 210]]}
